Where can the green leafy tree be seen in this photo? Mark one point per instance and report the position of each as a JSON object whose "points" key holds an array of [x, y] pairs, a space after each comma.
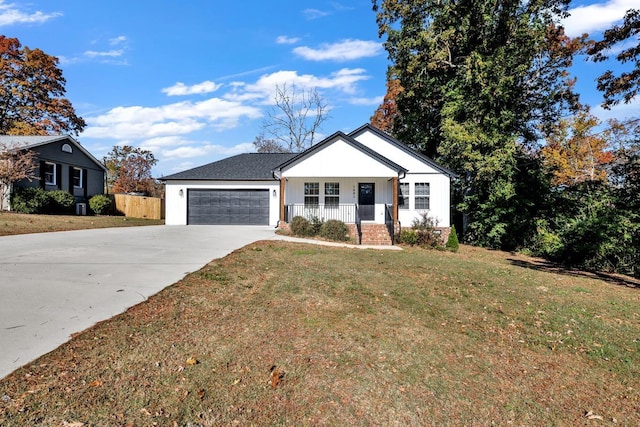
{"points": [[481, 79], [625, 85], [32, 93]]}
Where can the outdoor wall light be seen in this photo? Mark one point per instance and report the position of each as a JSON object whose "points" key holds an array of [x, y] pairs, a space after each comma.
{"points": [[274, 193], [181, 192]]}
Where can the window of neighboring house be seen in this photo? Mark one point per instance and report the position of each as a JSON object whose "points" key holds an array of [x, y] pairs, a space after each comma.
{"points": [[403, 195], [311, 193], [77, 177], [331, 194], [422, 195], [50, 173]]}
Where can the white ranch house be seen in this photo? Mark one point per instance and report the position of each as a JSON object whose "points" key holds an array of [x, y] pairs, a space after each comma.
{"points": [[366, 179]]}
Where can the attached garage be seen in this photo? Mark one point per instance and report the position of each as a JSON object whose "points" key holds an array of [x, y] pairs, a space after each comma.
{"points": [[227, 207], [239, 190]]}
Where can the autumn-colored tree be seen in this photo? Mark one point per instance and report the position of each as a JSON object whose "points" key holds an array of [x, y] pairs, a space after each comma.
{"points": [[32, 91], [129, 170], [626, 85], [386, 113], [15, 165], [575, 153]]}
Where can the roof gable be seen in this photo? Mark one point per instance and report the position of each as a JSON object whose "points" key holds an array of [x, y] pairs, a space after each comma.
{"points": [[360, 134], [339, 155], [29, 142]]}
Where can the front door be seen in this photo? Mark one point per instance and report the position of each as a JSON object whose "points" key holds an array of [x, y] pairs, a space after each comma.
{"points": [[367, 200]]}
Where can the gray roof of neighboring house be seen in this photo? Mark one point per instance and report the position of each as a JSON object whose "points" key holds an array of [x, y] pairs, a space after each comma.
{"points": [[243, 167], [23, 142]]}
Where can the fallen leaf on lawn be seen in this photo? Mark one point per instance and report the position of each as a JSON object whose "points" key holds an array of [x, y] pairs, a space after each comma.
{"points": [[73, 424], [145, 412], [95, 383], [237, 381], [201, 394], [192, 361], [591, 416], [277, 375]]}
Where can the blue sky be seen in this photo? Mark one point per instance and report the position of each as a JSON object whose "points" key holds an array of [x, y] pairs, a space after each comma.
{"points": [[192, 80]]}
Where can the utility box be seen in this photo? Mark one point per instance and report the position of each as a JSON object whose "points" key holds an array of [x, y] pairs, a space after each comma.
{"points": [[81, 208]]}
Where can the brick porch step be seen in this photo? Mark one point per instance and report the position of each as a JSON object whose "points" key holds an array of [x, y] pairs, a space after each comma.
{"points": [[375, 234]]}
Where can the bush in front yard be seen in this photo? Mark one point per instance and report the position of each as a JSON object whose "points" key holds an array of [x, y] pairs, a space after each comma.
{"points": [[452, 241], [300, 226], [407, 237], [334, 230], [62, 202], [30, 200], [100, 204]]}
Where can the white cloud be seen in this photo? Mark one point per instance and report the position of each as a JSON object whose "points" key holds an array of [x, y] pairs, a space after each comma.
{"points": [[117, 40], [311, 14], [181, 118], [596, 17], [620, 111], [345, 50], [206, 149], [181, 89], [101, 54], [263, 90], [287, 40], [10, 14]]}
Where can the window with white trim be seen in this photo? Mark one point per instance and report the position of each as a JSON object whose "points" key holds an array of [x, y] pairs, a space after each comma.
{"points": [[403, 195], [50, 173], [421, 195], [77, 177], [331, 194], [311, 194]]}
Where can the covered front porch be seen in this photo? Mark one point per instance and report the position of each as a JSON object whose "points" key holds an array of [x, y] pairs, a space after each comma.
{"points": [[369, 206]]}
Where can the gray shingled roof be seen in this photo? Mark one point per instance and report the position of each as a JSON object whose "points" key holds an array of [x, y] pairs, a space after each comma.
{"points": [[243, 167]]}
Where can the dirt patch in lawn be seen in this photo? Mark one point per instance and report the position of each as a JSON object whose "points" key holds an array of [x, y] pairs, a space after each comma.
{"points": [[283, 333], [15, 223]]}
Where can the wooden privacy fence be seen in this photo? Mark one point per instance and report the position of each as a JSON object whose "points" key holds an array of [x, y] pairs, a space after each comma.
{"points": [[139, 206]]}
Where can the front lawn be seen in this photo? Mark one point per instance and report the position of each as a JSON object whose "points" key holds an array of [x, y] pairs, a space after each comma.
{"points": [[291, 334], [17, 223]]}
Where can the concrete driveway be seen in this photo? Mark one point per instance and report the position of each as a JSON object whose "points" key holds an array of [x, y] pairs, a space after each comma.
{"points": [[56, 284]]}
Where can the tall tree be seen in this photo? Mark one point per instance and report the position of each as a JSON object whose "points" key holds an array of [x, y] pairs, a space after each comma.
{"points": [[481, 78], [626, 85], [295, 118], [575, 153], [129, 170], [32, 93]]}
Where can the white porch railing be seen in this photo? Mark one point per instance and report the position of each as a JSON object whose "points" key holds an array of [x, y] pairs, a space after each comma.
{"points": [[345, 213]]}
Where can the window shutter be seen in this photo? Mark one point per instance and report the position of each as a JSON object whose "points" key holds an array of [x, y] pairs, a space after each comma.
{"points": [[59, 176], [85, 183], [71, 189], [42, 174]]}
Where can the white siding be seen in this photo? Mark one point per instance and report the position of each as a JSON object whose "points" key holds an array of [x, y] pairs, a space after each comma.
{"points": [[393, 153], [439, 200], [338, 159], [176, 204]]}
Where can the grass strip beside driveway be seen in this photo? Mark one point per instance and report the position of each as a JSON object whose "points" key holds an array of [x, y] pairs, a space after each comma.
{"points": [[281, 333], [16, 223]]}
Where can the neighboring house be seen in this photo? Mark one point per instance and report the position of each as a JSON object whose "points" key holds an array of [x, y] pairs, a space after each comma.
{"points": [[61, 164], [367, 179]]}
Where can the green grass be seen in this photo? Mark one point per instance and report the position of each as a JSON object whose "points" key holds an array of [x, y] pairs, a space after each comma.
{"points": [[363, 338]]}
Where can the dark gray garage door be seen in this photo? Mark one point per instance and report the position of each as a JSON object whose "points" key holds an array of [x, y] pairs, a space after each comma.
{"points": [[216, 207]]}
